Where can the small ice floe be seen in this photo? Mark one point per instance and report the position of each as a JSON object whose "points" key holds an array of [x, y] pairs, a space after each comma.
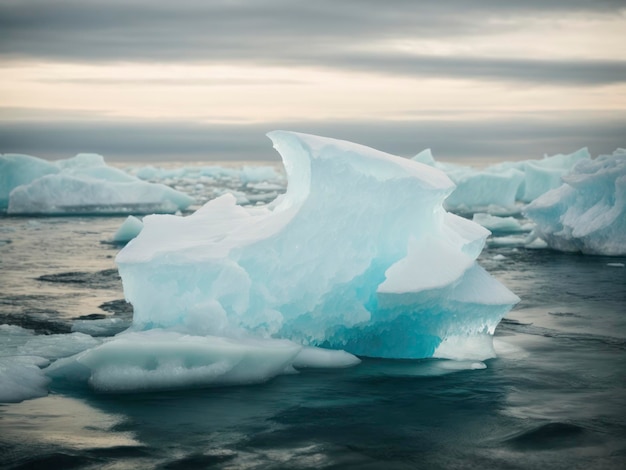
{"points": [[615, 265], [162, 360], [21, 378], [128, 230]]}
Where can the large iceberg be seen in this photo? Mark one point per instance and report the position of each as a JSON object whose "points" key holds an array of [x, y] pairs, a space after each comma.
{"points": [[502, 188], [587, 213], [83, 184], [358, 255]]}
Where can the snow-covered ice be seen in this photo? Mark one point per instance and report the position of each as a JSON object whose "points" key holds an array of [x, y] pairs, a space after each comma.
{"points": [[83, 184], [587, 213]]}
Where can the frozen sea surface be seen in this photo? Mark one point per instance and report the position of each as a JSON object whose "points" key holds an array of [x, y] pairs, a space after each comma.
{"points": [[555, 397]]}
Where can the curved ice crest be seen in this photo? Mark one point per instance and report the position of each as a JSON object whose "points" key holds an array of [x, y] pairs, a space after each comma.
{"points": [[359, 255]]}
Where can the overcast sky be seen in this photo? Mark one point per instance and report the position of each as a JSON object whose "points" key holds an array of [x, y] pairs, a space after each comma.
{"points": [[205, 80]]}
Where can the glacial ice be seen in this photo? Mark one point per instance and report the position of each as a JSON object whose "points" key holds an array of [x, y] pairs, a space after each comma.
{"points": [[83, 184], [587, 213], [358, 255], [501, 188]]}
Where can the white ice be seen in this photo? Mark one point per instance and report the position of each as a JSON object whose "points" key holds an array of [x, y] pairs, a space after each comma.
{"points": [[588, 212], [159, 360], [80, 185], [502, 188], [357, 255]]}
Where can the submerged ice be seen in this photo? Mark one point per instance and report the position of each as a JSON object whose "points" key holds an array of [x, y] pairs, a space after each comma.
{"points": [[83, 184], [358, 255]]}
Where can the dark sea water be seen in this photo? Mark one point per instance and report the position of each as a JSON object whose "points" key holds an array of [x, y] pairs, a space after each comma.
{"points": [[555, 397]]}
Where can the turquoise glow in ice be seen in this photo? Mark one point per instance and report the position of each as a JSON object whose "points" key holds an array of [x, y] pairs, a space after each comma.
{"points": [[357, 255]]}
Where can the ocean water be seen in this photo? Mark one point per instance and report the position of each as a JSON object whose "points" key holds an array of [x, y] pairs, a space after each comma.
{"points": [[555, 397]]}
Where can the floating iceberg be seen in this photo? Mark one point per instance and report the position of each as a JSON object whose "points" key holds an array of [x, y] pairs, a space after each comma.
{"points": [[16, 170], [80, 185], [358, 255], [128, 230], [499, 188], [163, 360], [588, 212]]}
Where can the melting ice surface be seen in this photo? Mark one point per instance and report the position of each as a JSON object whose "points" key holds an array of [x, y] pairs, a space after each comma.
{"points": [[83, 184], [357, 256], [587, 212]]}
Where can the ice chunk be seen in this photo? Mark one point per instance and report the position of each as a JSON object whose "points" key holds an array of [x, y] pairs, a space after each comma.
{"points": [[342, 260], [56, 346], [543, 175], [21, 378], [80, 185], [481, 189], [498, 188], [63, 194], [128, 230], [588, 212], [501, 224], [158, 360], [16, 170]]}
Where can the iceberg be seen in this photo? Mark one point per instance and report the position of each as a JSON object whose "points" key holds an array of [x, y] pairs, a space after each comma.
{"points": [[587, 213], [128, 230], [502, 188], [358, 255], [83, 184], [16, 170]]}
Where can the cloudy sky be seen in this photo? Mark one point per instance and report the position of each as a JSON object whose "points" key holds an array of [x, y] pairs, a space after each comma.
{"points": [[205, 80]]}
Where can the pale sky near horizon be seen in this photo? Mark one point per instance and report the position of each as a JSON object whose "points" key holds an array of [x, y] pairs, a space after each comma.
{"points": [[205, 80]]}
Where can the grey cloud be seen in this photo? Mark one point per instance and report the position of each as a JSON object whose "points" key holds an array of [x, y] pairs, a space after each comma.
{"points": [[516, 137], [285, 32], [564, 72]]}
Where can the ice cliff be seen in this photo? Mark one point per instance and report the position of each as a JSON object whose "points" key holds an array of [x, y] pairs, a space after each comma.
{"points": [[587, 213], [83, 184], [357, 255]]}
